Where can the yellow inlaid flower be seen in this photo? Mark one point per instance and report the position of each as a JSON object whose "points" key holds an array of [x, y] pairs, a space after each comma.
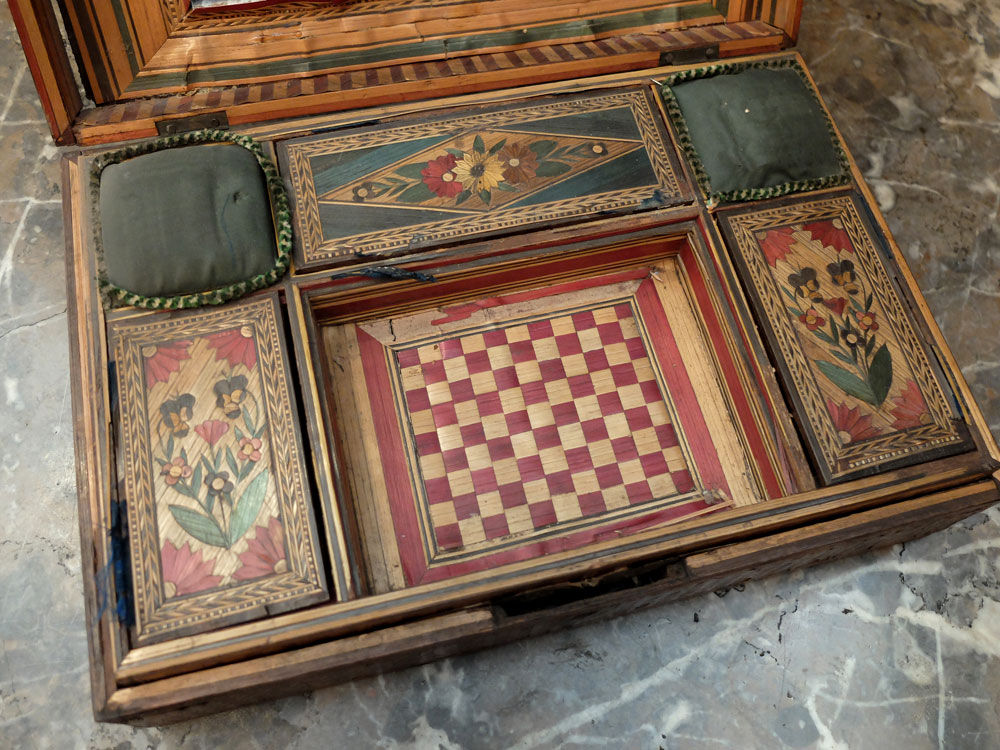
{"points": [[479, 171]]}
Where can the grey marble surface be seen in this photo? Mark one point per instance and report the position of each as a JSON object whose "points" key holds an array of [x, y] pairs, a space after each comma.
{"points": [[899, 649]]}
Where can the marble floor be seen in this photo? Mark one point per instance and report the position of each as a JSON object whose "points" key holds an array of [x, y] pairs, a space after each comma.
{"points": [[898, 649]]}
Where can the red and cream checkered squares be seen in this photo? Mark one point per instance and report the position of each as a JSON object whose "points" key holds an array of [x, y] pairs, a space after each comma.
{"points": [[539, 423]]}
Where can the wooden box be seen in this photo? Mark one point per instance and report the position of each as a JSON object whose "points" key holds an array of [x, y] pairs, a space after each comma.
{"points": [[524, 371]]}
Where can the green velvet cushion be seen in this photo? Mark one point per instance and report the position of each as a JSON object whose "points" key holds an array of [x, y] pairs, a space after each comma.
{"points": [[757, 132], [185, 220]]}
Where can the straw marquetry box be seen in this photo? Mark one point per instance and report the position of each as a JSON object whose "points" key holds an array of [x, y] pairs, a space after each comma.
{"points": [[567, 309]]}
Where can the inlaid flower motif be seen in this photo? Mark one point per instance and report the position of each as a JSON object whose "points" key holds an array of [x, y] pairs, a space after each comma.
{"points": [[520, 163], [842, 274], [265, 553], [363, 192], [249, 449], [185, 572], [836, 304], [776, 243], [236, 346], [850, 337], [910, 410], [176, 470], [218, 483], [439, 176], [212, 430], [176, 413], [851, 424], [805, 284], [161, 360], [479, 171], [866, 320], [229, 394], [811, 319], [830, 233]]}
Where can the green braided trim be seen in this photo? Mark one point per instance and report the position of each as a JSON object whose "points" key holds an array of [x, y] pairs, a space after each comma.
{"points": [[750, 194], [115, 296]]}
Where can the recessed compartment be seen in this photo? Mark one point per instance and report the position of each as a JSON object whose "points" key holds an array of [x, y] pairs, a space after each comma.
{"points": [[560, 405]]}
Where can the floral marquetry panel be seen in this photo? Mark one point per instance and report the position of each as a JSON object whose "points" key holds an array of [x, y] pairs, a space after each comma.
{"points": [[221, 527], [396, 187], [869, 394]]}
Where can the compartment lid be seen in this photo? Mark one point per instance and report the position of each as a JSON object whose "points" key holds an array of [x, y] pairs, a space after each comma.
{"points": [[172, 65]]}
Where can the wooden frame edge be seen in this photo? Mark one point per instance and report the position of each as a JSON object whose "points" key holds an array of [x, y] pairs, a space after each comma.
{"points": [[49, 65]]}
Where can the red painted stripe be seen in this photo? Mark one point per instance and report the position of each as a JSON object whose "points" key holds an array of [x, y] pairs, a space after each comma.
{"points": [[455, 313], [396, 469], [682, 394]]}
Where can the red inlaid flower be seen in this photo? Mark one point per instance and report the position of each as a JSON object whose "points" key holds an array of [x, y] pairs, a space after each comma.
{"points": [[831, 233], [911, 410], [439, 176], [837, 305], [812, 319], [163, 360], [175, 471], [236, 346], [249, 449], [212, 430], [850, 424], [776, 243], [866, 321], [519, 163], [265, 553], [185, 572]]}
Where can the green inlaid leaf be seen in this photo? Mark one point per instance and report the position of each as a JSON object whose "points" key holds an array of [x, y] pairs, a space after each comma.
{"points": [[196, 479], [170, 447], [248, 506], [823, 336], [478, 145], [507, 187], [868, 301], [417, 193], [247, 422], [869, 346], [848, 382], [835, 331], [542, 148], [498, 145], [201, 527], [456, 152], [237, 432], [463, 197], [843, 357], [412, 171], [880, 374], [485, 196], [552, 169], [231, 461]]}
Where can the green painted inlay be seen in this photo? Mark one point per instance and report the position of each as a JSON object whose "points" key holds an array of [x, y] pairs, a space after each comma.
{"points": [[390, 53]]}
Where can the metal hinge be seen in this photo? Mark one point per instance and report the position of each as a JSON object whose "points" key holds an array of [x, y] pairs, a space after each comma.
{"points": [[690, 55], [204, 121]]}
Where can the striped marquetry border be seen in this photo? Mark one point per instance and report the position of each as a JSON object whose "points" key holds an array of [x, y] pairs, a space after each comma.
{"points": [[259, 102]]}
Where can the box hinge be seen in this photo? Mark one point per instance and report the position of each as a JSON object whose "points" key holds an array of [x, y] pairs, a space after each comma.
{"points": [[690, 55], [203, 121]]}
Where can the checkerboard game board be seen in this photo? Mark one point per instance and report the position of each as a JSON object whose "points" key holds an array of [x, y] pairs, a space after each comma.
{"points": [[537, 423]]}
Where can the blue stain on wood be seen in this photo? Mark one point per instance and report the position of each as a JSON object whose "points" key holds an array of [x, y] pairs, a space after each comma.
{"points": [[340, 220], [331, 171], [609, 123], [630, 170]]}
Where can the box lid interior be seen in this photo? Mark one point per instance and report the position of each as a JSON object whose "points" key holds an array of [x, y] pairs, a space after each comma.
{"points": [[144, 63]]}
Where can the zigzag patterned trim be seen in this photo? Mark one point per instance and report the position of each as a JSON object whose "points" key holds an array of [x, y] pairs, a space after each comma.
{"points": [[750, 194], [116, 296]]}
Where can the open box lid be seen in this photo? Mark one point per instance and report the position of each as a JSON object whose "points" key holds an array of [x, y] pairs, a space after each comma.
{"points": [[167, 66]]}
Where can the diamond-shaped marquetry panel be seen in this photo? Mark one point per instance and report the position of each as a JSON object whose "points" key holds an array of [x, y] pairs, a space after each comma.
{"points": [[390, 188]]}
